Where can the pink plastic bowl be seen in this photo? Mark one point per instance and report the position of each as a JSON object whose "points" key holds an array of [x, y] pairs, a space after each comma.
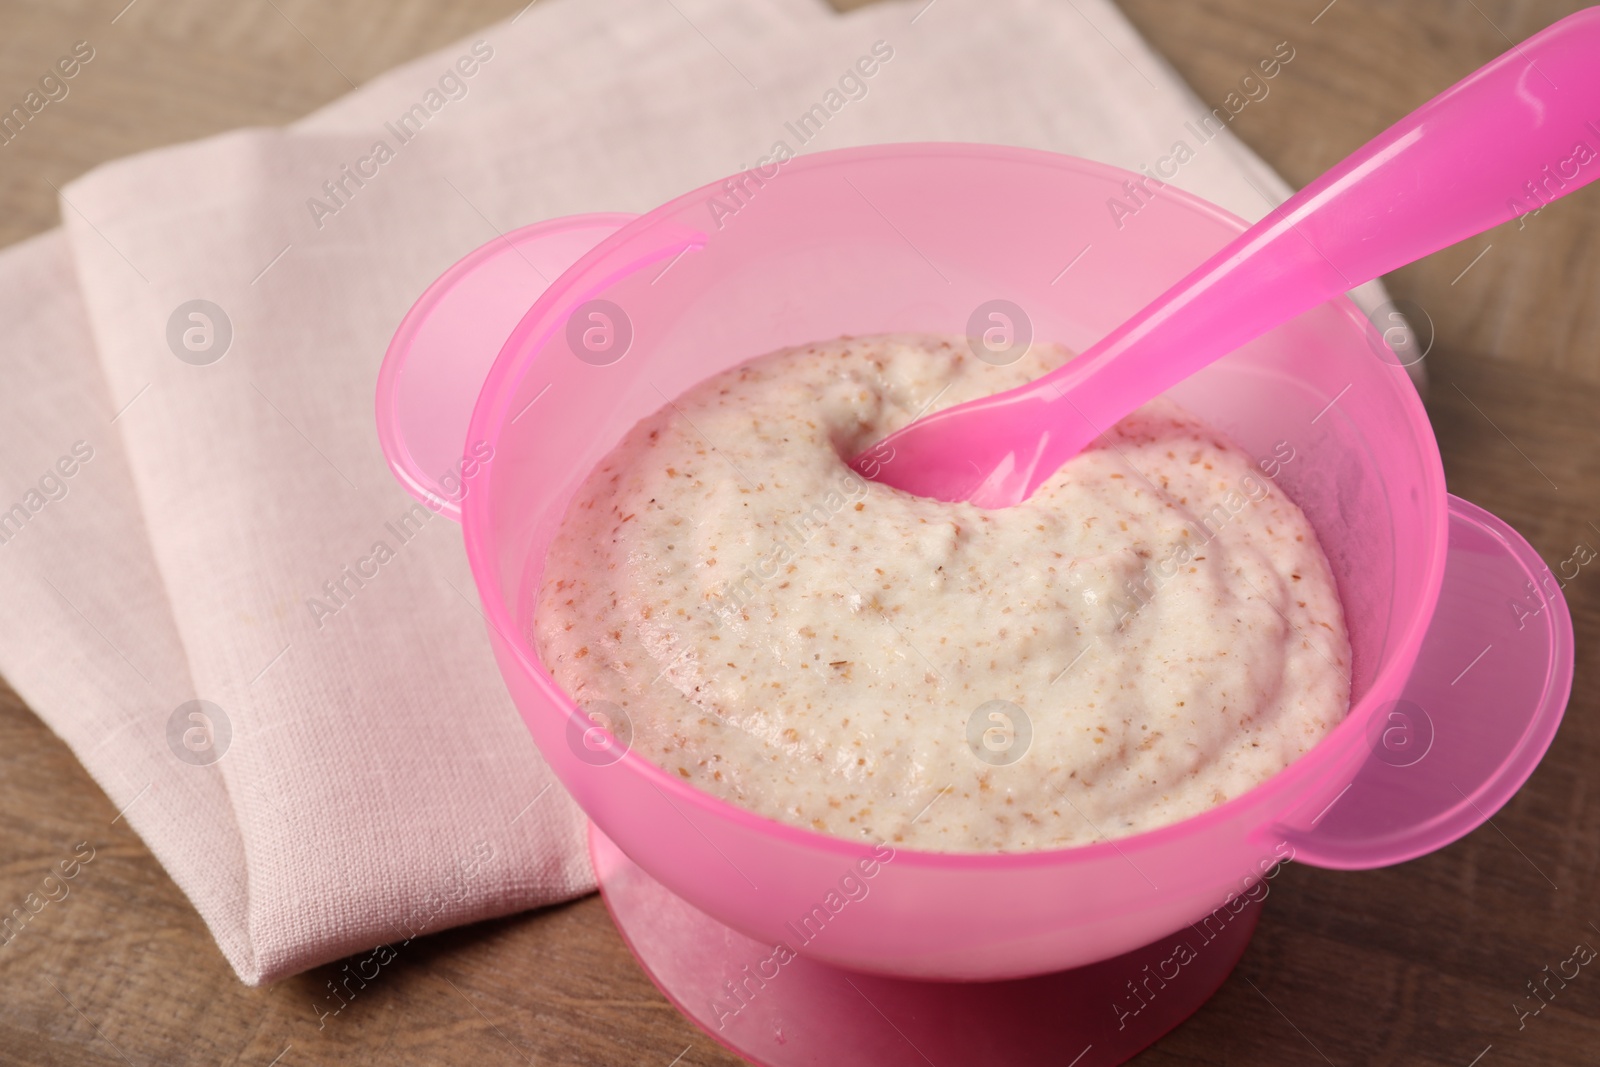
{"points": [[1462, 642]]}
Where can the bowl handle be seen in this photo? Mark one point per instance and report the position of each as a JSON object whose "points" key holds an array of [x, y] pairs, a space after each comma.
{"points": [[440, 355], [1479, 710]]}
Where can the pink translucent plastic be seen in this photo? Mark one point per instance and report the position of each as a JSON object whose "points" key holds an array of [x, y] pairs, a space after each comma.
{"points": [[914, 237], [811, 1014], [1514, 134], [444, 347]]}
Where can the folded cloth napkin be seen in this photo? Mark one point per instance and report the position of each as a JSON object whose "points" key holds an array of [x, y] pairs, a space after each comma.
{"points": [[315, 745]]}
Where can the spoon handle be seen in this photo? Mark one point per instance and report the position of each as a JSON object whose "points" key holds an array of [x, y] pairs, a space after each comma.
{"points": [[1518, 133]]}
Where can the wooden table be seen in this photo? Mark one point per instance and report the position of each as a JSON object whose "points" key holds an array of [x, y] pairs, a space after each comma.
{"points": [[1417, 964]]}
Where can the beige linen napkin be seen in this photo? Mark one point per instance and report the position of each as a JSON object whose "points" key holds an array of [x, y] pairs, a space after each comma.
{"points": [[358, 775]]}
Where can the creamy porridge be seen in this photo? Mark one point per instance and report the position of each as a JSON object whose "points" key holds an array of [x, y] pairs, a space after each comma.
{"points": [[1153, 633]]}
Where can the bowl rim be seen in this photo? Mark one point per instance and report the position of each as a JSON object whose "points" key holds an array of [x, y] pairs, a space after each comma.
{"points": [[492, 407]]}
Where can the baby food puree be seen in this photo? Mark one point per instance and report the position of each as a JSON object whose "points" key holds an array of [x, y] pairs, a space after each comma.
{"points": [[1154, 632]]}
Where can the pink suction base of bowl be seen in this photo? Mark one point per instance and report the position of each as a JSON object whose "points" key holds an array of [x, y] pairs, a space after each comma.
{"points": [[778, 1013]]}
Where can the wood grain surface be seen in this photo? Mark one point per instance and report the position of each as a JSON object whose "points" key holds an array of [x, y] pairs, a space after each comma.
{"points": [[1417, 964]]}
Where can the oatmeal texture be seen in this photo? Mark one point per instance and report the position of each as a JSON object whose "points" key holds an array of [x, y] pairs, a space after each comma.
{"points": [[1153, 633]]}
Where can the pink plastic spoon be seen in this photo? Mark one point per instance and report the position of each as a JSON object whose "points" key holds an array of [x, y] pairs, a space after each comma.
{"points": [[1520, 132]]}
